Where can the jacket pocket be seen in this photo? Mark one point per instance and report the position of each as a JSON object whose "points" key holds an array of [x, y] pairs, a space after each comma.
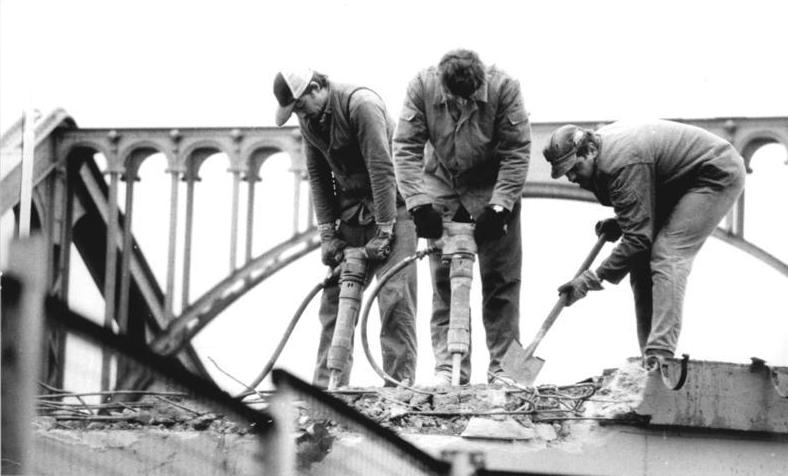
{"points": [[430, 161], [517, 117], [408, 114]]}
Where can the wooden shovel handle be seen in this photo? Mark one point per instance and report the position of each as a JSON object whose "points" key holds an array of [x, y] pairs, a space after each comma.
{"points": [[559, 305]]}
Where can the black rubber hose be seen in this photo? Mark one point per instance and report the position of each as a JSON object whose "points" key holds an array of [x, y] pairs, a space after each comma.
{"points": [[250, 389], [368, 305]]}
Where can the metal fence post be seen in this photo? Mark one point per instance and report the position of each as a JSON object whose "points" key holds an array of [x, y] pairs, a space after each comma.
{"points": [[21, 349], [463, 463], [280, 444], [28, 157]]}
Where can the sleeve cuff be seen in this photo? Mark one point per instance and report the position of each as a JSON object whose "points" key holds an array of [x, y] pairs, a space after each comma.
{"points": [[323, 227], [417, 201], [386, 227]]}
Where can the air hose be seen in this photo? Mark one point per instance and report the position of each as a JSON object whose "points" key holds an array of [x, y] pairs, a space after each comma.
{"points": [[368, 305], [250, 389], [364, 317]]}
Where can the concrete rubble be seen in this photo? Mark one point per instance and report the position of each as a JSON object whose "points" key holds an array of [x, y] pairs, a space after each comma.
{"points": [[474, 413], [573, 423]]}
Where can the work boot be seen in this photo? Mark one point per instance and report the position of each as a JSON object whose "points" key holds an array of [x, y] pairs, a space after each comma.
{"points": [[501, 378], [439, 379], [653, 359]]}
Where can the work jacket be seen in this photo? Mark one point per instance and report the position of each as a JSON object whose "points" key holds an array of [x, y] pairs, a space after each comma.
{"points": [[348, 157], [479, 159], [644, 168]]}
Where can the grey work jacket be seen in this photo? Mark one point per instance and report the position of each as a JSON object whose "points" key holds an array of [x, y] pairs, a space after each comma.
{"points": [[351, 173], [479, 159], [644, 168]]}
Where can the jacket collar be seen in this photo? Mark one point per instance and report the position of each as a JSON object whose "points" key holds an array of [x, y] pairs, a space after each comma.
{"points": [[480, 95]]}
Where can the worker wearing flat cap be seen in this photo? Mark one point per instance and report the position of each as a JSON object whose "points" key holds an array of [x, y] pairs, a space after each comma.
{"points": [[347, 141], [670, 185]]}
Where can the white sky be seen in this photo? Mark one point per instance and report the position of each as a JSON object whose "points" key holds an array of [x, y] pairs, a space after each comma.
{"points": [[178, 63], [153, 63]]}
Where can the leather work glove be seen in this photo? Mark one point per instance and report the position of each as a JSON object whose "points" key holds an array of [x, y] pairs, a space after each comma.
{"points": [[331, 246], [379, 247], [491, 224], [429, 223], [609, 227], [577, 288]]}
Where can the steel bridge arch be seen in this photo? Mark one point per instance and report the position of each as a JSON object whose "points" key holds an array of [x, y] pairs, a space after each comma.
{"points": [[196, 316], [202, 311]]}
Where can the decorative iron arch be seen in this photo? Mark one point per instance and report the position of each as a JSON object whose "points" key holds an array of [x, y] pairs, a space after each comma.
{"points": [[82, 146], [289, 142], [755, 140], [195, 154], [256, 157], [138, 151], [196, 157]]}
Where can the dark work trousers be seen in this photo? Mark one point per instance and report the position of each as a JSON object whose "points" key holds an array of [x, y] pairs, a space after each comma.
{"points": [[659, 277], [500, 267], [396, 302]]}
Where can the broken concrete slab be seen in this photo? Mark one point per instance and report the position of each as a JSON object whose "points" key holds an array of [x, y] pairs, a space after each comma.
{"points": [[145, 451], [555, 435], [546, 431], [505, 429], [718, 395], [621, 392]]}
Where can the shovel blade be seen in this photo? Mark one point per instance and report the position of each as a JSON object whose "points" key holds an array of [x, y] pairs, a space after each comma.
{"points": [[523, 368]]}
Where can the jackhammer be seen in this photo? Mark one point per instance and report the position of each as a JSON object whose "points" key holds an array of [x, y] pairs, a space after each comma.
{"points": [[351, 289], [459, 249], [382, 280], [457, 246]]}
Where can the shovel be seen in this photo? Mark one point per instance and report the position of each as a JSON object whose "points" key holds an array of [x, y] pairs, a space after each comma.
{"points": [[519, 363]]}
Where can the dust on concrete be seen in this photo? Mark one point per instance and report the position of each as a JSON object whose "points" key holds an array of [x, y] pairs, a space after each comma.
{"points": [[563, 416], [173, 414], [621, 392], [560, 415]]}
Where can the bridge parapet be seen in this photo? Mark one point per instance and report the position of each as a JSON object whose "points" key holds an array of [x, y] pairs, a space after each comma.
{"points": [[183, 145], [61, 147]]}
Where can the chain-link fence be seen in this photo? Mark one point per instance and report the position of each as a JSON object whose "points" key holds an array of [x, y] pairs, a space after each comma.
{"points": [[177, 422], [181, 424]]}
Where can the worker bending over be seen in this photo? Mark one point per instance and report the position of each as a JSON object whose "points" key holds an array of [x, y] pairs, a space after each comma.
{"points": [[478, 140], [670, 185], [347, 137]]}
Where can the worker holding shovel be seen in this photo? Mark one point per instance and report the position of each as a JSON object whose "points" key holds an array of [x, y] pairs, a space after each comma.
{"points": [[670, 184]]}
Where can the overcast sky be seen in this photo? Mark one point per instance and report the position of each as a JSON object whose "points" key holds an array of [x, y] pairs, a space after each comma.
{"points": [[180, 64]]}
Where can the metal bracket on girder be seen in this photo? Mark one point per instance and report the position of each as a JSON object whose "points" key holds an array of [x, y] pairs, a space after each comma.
{"points": [[779, 380], [464, 462], [665, 373], [778, 376]]}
